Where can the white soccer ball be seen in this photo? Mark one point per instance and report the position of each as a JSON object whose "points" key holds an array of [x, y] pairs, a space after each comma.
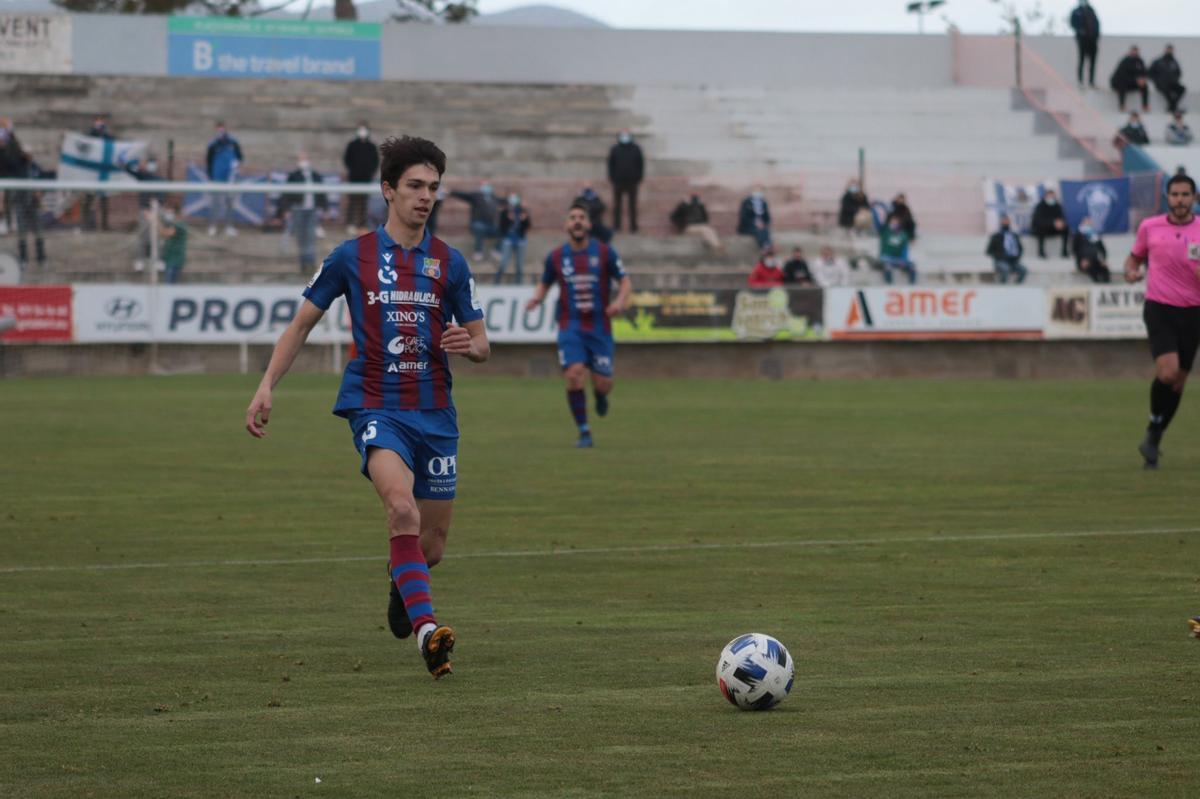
{"points": [[755, 671]]}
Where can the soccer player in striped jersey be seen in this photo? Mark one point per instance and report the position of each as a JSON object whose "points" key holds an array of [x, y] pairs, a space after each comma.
{"points": [[412, 304], [584, 270]]}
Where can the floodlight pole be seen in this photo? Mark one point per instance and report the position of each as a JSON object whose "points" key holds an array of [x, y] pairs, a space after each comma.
{"points": [[1017, 46]]}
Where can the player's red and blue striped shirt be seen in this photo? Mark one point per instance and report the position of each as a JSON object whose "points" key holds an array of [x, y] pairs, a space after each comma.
{"points": [[584, 279], [400, 302]]}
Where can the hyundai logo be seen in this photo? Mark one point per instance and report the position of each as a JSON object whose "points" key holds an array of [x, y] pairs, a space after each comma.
{"points": [[123, 308]]}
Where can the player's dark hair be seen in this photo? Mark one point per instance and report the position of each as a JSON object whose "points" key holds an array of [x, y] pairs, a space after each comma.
{"points": [[582, 206], [1181, 178], [398, 154]]}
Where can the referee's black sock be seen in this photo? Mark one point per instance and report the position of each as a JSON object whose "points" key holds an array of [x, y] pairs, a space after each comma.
{"points": [[1164, 401]]}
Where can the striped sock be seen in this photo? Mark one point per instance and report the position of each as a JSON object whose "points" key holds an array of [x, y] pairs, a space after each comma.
{"points": [[411, 576], [578, 402]]}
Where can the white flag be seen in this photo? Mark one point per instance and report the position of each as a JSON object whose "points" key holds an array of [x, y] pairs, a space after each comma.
{"points": [[92, 158]]}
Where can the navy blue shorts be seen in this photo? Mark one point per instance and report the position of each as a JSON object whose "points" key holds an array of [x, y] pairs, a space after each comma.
{"points": [[593, 350], [427, 441]]}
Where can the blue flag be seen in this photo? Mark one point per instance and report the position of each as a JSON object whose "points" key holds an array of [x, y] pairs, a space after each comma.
{"points": [[1105, 202]]}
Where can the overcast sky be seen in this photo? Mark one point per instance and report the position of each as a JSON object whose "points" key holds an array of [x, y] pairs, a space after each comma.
{"points": [[1151, 17]]}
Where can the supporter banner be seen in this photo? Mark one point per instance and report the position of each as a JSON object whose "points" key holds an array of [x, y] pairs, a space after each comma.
{"points": [[1016, 200], [725, 315], [94, 158], [1106, 202], [250, 48], [935, 313], [35, 43], [42, 313]]}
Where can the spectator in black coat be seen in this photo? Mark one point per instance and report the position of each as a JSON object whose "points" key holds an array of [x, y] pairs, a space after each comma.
{"points": [[12, 165], [304, 213], [1004, 248], [796, 270], [1091, 256], [626, 168], [99, 130], [1133, 132], [1086, 25], [754, 217], [361, 160], [1131, 76], [1049, 221], [595, 206], [1167, 74], [690, 217], [907, 222], [485, 217], [854, 201]]}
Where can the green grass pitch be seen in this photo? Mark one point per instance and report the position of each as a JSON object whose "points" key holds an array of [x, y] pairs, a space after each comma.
{"points": [[984, 594]]}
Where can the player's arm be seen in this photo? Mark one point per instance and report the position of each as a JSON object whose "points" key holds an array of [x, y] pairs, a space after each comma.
{"points": [[539, 294], [468, 340], [622, 301], [284, 355]]}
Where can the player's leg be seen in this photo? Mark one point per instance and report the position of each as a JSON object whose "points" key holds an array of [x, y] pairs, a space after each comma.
{"points": [[572, 357], [1173, 342], [600, 364]]}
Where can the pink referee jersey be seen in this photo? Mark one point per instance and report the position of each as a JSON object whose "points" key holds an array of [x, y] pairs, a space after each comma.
{"points": [[1174, 256]]}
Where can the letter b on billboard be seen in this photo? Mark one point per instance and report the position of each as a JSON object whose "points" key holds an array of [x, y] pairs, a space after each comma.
{"points": [[202, 56]]}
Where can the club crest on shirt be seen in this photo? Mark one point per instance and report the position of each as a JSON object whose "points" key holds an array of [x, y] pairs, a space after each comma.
{"points": [[594, 262], [431, 267], [387, 275]]}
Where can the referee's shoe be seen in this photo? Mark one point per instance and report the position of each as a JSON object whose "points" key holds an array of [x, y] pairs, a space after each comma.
{"points": [[1149, 450]]}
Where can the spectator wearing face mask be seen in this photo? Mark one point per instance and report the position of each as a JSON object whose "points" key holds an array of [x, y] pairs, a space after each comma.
{"points": [[303, 213], [222, 161], [1167, 76], [485, 216], [754, 217], [361, 160], [766, 273], [1178, 133], [1049, 221], [1091, 256], [1005, 250], [854, 205], [626, 168], [1133, 132], [1131, 76], [514, 228]]}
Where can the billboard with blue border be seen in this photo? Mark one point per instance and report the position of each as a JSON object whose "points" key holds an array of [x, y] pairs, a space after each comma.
{"points": [[291, 49]]}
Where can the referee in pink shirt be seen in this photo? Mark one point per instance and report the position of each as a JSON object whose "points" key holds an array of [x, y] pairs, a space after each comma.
{"points": [[1169, 247]]}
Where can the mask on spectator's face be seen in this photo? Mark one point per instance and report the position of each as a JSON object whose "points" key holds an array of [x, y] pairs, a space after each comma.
{"points": [[168, 216], [758, 195], [304, 164], [486, 189], [151, 167], [625, 138], [514, 199], [853, 188], [1087, 230], [363, 132], [1051, 201], [222, 133]]}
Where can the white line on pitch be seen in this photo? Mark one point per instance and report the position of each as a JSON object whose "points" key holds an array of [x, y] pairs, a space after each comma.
{"points": [[633, 550]]}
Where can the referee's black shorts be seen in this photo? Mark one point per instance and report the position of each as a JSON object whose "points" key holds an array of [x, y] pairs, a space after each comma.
{"points": [[1173, 329]]}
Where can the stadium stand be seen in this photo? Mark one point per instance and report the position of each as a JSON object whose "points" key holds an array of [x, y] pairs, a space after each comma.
{"points": [[546, 141]]}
